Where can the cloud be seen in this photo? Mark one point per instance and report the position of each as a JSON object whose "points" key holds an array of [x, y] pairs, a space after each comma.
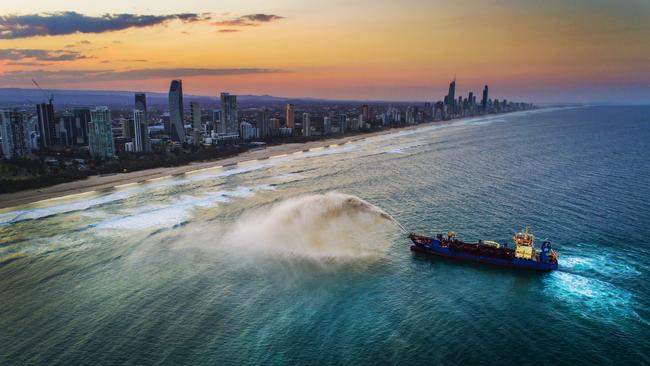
{"points": [[27, 63], [229, 30], [22, 76], [70, 22], [14, 54], [249, 20]]}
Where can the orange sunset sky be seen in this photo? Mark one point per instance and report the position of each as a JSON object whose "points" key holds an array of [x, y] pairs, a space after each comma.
{"points": [[538, 51]]}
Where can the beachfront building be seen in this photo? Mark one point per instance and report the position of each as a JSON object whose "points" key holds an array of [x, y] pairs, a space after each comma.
{"points": [[100, 133], [141, 142], [177, 127], [264, 122], [15, 137], [306, 125], [289, 115], [229, 118], [327, 125]]}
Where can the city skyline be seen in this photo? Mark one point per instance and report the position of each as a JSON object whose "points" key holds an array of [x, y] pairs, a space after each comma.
{"points": [[582, 52]]}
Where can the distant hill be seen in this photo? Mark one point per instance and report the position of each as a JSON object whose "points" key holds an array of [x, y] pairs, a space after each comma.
{"points": [[18, 97]]}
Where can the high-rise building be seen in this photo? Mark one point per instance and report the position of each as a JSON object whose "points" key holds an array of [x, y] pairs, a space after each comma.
{"points": [[195, 115], [81, 118], [141, 104], [428, 110], [65, 129], [15, 136], [263, 122], [177, 125], [484, 101], [365, 112], [289, 115], [247, 132], [140, 132], [327, 125], [46, 124], [229, 118], [306, 125], [100, 133], [451, 98], [128, 131], [274, 126], [343, 123]]}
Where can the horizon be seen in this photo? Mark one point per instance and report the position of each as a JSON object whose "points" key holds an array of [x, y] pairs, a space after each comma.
{"points": [[586, 52], [308, 98]]}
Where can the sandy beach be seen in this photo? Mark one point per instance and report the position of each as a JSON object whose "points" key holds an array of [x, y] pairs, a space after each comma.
{"points": [[117, 180]]}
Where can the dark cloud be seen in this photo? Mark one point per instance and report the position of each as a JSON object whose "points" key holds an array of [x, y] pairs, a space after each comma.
{"points": [[14, 54], [27, 63], [249, 20], [23, 76], [70, 22]]}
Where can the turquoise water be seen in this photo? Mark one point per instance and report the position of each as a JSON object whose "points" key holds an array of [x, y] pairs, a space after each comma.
{"points": [[261, 263]]}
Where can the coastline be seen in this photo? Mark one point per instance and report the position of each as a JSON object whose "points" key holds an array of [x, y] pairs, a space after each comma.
{"points": [[118, 180]]}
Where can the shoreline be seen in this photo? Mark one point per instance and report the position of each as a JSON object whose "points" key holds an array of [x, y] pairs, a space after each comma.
{"points": [[118, 180]]}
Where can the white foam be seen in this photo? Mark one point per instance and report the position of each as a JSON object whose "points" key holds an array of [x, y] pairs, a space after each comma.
{"points": [[177, 211], [77, 205]]}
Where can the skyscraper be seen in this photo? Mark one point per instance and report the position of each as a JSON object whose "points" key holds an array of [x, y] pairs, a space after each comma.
{"points": [[65, 129], [327, 125], [100, 133], [176, 111], [289, 116], [195, 115], [46, 124], [343, 123], [484, 101], [15, 137], [263, 122], [140, 132], [274, 126], [80, 129], [229, 118], [141, 104], [451, 98], [306, 125], [365, 112]]}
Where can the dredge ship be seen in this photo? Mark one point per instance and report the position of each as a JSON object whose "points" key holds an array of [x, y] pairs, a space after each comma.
{"points": [[524, 255]]}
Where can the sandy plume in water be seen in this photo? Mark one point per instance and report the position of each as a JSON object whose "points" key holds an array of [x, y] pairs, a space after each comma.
{"points": [[331, 225]]}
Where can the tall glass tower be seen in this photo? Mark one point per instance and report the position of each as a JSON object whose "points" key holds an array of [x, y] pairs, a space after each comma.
{"points": [[229, 116], [176, 111], [451, 107]]}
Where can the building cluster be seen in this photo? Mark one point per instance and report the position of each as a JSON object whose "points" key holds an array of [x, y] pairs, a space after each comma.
{"points": [[137, 132]]}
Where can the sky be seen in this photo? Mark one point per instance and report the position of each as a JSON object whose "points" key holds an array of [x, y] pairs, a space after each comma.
{"points": [[588, 51]]}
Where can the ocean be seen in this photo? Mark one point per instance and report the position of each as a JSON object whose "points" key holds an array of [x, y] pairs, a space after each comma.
{"points": [[300, 259]]}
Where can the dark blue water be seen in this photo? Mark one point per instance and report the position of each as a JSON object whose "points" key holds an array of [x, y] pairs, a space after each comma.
{"points": [[219, 268]]}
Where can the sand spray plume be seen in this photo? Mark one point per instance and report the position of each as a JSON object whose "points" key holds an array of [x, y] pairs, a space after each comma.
{"points": [[330, 225]]}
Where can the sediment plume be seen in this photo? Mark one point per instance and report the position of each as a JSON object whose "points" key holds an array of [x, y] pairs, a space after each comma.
{"points": [[330, 225]]}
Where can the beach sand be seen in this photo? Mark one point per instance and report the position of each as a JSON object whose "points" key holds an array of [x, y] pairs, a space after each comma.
{"points": [[117, 180]]}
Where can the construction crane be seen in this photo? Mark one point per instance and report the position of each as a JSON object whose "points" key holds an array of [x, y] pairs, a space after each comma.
{"points": [[51, 96]]}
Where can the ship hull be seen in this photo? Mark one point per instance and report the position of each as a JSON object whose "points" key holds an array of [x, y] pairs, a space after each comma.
{"points": [[467, 257]]}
